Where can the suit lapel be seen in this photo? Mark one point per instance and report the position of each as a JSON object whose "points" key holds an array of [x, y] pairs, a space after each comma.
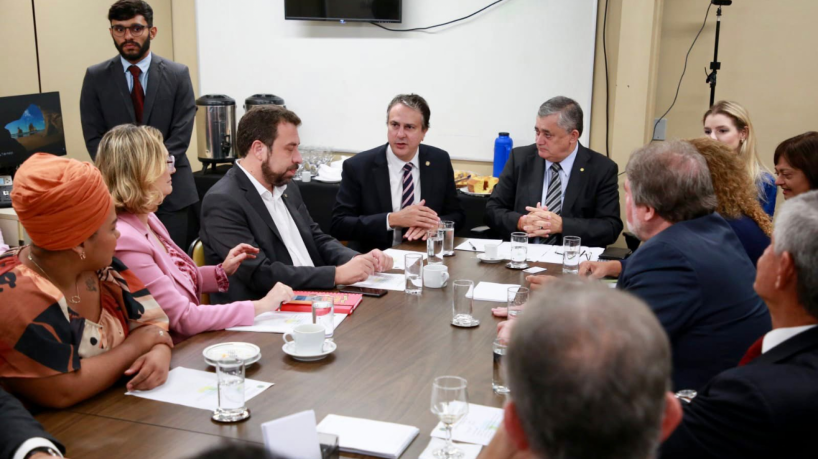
{"points": [[116, 74], [799, 343], [156, 73], [181, 279], [538, 176], [576, 181], [252, 197], [381, 177], [425, 174]]}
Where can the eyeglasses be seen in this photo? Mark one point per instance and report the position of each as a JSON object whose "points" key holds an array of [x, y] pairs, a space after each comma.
{"points": [[136, 30], [171, 162]]}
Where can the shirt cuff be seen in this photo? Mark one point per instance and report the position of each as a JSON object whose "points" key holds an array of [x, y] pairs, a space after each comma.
{"points": [[221, 279], [31, 443], [388, 228]]}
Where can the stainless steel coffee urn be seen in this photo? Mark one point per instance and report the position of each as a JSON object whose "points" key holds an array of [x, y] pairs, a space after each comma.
{"points": [[263, 99], [216, 128]]}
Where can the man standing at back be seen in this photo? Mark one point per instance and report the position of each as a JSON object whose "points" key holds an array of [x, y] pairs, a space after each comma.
{"points": [[140, 87]]}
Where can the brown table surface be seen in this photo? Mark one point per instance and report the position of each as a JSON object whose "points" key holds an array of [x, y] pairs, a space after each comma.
{"points": [[389, 351]]}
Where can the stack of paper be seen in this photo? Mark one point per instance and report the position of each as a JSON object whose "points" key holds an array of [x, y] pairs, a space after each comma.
{"points": [[282, 322], [490, 291], [386, 281], [398, 257], [367, 437]]}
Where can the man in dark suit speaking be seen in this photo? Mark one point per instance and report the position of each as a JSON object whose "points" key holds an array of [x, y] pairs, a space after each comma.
{"points": [[140, 87], [557, 187], [398, 190], [768, 405]]}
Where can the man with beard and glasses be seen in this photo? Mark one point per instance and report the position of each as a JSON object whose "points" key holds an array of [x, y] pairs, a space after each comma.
{"points": [[140, 87], [253, 204]]}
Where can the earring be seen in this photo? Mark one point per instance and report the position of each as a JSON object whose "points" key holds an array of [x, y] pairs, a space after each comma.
{"points": [[82, 255]]}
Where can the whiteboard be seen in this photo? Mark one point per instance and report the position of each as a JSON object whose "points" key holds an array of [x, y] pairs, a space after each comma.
{"points": [[481, 76]]}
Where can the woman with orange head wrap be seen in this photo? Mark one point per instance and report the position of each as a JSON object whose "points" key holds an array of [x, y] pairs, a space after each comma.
{"points": [[74, 318]]}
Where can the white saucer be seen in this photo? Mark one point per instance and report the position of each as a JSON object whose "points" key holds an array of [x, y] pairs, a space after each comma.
{"points": [[482, 258], [318, 178], [329, 348], [248, 352], [474, 322], [523, 266]]}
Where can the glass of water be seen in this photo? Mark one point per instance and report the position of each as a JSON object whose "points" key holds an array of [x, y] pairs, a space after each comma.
{"points": [[434, 246], [519, 250], [450, 403], [571, 246], [498, 378], [230, 374], [323, 313], [462, 303], [413, 272], [448, 237], [517, 299]]}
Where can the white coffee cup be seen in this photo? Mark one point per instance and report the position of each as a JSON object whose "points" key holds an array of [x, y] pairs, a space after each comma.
{"points": [[435, 276], [306, 176], [309, 339], [491, 251]]}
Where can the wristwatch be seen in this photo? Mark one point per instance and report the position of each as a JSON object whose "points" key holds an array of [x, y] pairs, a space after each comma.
{"points": [[43, 449]]}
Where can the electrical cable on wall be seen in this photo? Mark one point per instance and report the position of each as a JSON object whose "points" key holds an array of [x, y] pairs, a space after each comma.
{"points": [[653, 134], [607, 85], [437, 25]]}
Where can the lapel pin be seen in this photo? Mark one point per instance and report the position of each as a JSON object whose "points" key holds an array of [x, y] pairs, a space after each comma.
{"points": [[285, 195], [582, 169], [428, 163]]}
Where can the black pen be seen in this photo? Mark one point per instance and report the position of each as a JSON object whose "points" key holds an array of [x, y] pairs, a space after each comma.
{"points": [[472, 246]]}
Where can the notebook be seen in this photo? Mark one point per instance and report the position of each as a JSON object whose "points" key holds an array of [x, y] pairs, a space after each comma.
{"points": [[367, 437], [345, 303]]}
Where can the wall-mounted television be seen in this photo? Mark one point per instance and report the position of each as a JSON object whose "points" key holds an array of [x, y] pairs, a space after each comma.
{"points": [[343, 10], [30, 124]]}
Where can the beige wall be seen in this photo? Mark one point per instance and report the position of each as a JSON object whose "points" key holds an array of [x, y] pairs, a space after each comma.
{"points": [[186, 52], [18, 55]]}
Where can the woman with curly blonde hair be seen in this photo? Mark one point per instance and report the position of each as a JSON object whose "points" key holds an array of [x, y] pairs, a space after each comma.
{"points": [[736, 197], [729, 123]]}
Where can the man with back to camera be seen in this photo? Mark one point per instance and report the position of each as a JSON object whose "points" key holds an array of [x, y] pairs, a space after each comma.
{"points": [[399, 190], [557, 187], [141, 87], [253, 204]]}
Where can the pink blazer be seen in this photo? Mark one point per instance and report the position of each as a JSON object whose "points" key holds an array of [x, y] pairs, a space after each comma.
{"points": [[151, 264]]}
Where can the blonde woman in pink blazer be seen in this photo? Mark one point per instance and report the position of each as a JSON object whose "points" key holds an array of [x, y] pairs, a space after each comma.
{"points": [[137, 169]]}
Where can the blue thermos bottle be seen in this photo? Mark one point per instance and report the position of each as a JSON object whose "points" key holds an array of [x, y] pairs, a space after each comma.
{"points": [[502, 148]]}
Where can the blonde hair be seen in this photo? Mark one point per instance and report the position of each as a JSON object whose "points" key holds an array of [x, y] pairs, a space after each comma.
{"points": [[747, 153], [131, 159], [734, 190]]}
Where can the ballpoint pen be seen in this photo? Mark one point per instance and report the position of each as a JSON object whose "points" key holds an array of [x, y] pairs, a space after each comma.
{"points": [[472, 246]]}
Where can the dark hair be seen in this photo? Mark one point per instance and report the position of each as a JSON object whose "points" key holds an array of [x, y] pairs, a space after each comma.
{"points": [[801, 152], [129, 9], [414, 102], [237, 451], [261, 123], [570, 113]]}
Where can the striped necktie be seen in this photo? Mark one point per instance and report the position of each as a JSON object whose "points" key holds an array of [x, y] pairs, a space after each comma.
{"points": [[554, 198], [408, 197]]}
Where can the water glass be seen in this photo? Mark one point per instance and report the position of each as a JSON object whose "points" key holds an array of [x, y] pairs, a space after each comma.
{"points": [[448, 237], [517, 299], [462, 304], [230, 374], [570, 254], [519, 249], [498, 377], [323, 313], [413, 272], [434, 246], [450, 403]]}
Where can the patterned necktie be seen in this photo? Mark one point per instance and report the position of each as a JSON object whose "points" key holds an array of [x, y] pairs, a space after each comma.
{"points": [[408, 197], [554, 198], [137, 93], [753, 352]]}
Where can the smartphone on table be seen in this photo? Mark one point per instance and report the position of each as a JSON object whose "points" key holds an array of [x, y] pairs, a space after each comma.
{"points": [[365, 291]]}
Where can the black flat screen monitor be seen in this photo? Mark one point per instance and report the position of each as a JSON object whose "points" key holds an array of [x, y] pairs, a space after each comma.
{"points": [[343, 10], [30, 124]]}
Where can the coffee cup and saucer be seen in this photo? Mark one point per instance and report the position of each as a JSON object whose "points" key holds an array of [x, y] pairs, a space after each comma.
{"points": [[435, 276], [491, 254], [308, 343]]}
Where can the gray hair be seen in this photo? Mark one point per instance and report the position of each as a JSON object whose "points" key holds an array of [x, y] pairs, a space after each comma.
{"points": [[414, 102], [673, 178], [796, 232], [588, 368], [569, 110]]}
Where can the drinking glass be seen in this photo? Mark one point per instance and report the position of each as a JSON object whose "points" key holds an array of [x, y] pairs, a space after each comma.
{"points": [[323, 313], [519, 249], [450, 402], [570, 254], [434, 246], [413, 272], [462, 304], [448, 237], [498, 377], [517, 299], [230, 374]]}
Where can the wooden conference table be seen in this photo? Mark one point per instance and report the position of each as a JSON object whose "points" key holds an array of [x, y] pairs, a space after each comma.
{"points": [[389, 351]]}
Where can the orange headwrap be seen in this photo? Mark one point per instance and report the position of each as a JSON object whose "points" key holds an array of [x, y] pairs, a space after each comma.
{"points": [[60, 202]]}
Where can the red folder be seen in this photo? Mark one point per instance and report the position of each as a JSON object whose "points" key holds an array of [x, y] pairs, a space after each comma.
{"points": [[345, 303]]}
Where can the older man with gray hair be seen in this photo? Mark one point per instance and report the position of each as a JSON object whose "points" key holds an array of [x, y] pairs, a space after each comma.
{"points": [[589, 373], [768, 405], [691, 268], [556, 187]]}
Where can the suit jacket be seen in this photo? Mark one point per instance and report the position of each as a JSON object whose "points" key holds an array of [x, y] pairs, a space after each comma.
{"points": [[767, 408], [233, 212], [365, 196], [170, 107], [170, 286], [698, 280], [751, 236], [590, 207], [18, 426]]}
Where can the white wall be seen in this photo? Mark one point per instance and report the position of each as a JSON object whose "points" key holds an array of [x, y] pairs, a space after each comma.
{"points": [[480, 76]]}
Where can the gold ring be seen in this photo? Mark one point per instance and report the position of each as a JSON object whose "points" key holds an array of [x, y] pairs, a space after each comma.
{"points": [[161, 333]]}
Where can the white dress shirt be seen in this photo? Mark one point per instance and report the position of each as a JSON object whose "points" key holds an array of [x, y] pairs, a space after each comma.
{"points": [[395, 166], [32, 443], [283, 220], [144, 65], [565, 173], [779, 335]]}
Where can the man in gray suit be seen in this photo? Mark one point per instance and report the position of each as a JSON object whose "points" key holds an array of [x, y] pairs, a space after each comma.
{"points": [[253, 203], [140, 87]]}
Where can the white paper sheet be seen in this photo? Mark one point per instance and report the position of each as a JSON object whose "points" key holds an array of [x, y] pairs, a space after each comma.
{"points": [[196, 389], [386, 281], [534, 270], [373, 438], [534, 252], [554, 254], [397, 257], [293, 436], [478, 427], [477, 245], [490, 291], [469, 451], [282, 322]]}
